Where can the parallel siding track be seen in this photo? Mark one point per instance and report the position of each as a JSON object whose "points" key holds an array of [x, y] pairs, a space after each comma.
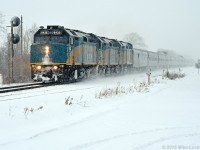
{"points": [[25, 87]]}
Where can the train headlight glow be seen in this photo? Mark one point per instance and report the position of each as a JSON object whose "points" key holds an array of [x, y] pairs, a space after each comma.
{"points": [[39, 67], [55, 67], [47, 49]]}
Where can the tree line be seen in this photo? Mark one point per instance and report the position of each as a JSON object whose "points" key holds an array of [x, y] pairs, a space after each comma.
{"points": [[21, 67]]}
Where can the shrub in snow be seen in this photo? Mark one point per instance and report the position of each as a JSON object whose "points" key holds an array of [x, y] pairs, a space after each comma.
{"points": [[142, 87], [68, 101], [174, 75], [28, 110], [81, 102], [32, 109], [41, 107]]}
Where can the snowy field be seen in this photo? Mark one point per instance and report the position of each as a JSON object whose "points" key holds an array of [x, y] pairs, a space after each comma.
{"points": [[164, 115]]}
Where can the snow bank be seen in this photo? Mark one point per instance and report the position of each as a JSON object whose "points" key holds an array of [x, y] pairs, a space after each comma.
{"points": [[167, 115]]}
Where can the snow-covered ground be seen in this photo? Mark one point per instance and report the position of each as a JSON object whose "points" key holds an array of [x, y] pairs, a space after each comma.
{"points": [[164, 115]]}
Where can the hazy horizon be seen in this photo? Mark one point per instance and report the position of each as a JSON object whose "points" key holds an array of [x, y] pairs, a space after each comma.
{"points": [[167, 24]]}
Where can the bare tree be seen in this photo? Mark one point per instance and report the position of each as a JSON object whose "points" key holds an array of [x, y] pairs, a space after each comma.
{"points": [[136, 40], [28, 37], [24, 64], [2, 44], [19, 62], [28, 40], [2, 28]]}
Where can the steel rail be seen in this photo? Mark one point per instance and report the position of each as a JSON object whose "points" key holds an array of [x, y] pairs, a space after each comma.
{"points": [[25, 87]]}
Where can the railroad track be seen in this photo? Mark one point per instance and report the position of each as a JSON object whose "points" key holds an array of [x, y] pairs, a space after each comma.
{"points": [[25, 87]]}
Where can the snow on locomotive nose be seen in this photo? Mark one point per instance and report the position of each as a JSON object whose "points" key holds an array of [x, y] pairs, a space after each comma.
{"points": [[46, 71]]}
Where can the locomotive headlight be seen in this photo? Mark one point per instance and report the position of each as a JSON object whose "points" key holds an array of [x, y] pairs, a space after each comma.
{"points": [[47, 49], [39, 67], [55, 67]]}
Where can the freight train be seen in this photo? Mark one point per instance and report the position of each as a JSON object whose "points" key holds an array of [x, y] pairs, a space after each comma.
{"points": [[60, 54]]}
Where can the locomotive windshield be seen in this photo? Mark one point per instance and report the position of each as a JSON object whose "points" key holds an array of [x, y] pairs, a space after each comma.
{"points": [[51, 36]]}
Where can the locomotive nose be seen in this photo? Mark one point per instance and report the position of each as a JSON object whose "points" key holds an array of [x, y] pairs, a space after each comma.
{"points": [[48, 54]]}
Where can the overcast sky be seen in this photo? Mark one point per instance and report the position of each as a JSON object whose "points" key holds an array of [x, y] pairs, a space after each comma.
{"points": [[168, 24]]}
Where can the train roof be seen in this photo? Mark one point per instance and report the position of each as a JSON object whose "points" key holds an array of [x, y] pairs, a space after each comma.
{"points": [[142, 50], [89, 36]]}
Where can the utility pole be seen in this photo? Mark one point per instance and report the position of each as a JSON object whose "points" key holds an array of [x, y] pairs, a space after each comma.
{"points": [[12, 51], [9, 58], [21, 63], [14, 39]]}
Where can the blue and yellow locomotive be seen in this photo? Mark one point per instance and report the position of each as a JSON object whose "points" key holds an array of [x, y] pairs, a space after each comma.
{"points": [[60, 54]]}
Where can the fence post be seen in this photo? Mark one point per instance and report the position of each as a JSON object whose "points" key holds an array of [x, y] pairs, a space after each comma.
{"points": [[149, 78]]}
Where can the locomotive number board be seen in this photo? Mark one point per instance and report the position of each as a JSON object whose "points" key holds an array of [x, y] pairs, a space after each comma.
{"points": [[45, 32]]}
